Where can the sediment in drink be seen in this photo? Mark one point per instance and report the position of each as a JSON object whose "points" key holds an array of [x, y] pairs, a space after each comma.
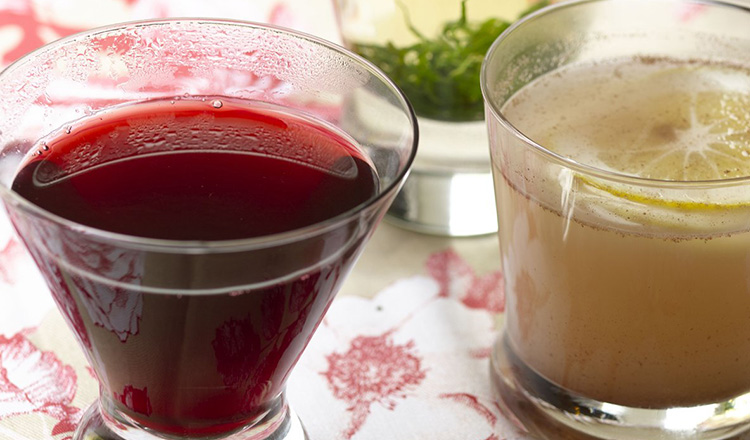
{"points": [[633, 292]]}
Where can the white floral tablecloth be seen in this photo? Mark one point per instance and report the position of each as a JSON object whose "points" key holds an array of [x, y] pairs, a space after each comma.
{"points": [[403, 352], [409, 363]]}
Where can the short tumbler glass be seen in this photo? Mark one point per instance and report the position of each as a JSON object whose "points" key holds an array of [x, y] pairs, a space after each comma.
{"points": [[628, 298], [196, 339]]}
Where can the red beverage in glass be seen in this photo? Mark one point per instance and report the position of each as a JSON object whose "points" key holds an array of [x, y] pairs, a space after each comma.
{"points": [[195, 344], [194, 192]]}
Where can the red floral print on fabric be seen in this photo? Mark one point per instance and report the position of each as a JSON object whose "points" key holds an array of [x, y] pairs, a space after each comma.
{"points": [[8, 257], [250, 351], [109, 306], [282, 15], [25, 17], [373, 370], [64, 299], [481, 353], [458, 279], [115, 309], [135, 399], [236, 346], [35, 381], [689, 12], [472, 402]]}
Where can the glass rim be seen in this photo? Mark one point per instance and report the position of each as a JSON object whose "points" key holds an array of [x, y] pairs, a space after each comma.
{"points": [[215, 246], [572, 164]]}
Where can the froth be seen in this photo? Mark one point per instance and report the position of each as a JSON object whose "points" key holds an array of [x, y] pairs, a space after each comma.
{"points": [[623, 115], [649, 118]]}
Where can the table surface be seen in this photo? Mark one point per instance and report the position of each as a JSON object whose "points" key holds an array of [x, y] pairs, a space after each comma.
{"points": [[419, 312], [424, 302], [418, 301]]}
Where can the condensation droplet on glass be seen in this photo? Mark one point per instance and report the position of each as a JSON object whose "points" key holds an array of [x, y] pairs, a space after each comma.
{"points": [[203, 99], [217, 103], [171, 102], [45, 147], [186, 95], [68, 129]]}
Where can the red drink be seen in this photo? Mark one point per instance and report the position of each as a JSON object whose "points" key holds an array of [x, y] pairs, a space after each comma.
{"points": [[186, 351]]}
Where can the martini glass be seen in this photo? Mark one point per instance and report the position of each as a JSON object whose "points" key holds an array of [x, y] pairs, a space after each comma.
{"points": [[195, 338]]}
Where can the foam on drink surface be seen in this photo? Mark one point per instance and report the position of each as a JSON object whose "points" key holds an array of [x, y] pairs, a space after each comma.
{"points": [[652, 118], [659, 119]]}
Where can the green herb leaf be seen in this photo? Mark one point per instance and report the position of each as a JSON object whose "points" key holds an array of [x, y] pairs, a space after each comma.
{"points": [[441, 75]]}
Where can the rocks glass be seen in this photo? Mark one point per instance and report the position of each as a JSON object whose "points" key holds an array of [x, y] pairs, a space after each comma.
{"points": [[619, 136]]}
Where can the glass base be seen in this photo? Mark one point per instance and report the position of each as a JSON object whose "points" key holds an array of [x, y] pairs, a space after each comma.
{"points": [[450, 191], [547, 411], [281, 423], [438, 202]]}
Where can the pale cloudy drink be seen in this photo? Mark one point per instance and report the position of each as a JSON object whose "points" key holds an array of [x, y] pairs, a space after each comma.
{"points": [[628, 297], [624, 211]]}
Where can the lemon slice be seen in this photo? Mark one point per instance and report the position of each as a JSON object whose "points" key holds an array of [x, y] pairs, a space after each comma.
{"points": [[661, 119], [686, 137], [683, 136]]}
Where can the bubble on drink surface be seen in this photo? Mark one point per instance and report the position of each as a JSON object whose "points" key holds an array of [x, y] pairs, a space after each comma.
{"points": [[664, 119], [677, 121], [216, 103], [252, 137]]}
